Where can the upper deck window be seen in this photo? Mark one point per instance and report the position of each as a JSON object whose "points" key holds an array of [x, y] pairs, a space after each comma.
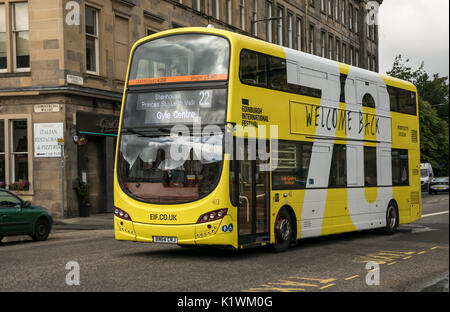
{"points": [[180, 58], [402, 101]]}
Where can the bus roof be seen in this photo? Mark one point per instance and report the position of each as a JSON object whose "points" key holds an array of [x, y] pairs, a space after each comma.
{"points": [[272, 49]]}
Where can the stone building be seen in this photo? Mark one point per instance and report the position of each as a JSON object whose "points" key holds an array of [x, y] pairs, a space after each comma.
{"points": [[63, 64]]}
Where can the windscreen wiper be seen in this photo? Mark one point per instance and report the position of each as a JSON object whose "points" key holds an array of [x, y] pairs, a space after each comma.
{"points": [[146, 132]]}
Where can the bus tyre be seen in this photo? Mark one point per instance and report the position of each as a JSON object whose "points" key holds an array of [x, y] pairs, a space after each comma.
{"points": [[41, 230], [391, 219], [283, 231]]}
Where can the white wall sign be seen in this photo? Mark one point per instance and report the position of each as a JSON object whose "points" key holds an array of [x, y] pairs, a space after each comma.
{"points": [[75, 80], [46, 139], [46, 108]]}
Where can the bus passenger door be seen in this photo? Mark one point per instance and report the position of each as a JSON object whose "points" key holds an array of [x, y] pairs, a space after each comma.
{"points": [[253, 209]]}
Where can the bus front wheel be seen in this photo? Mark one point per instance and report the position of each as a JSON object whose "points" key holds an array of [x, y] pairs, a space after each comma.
{"points": [[283, 230]]}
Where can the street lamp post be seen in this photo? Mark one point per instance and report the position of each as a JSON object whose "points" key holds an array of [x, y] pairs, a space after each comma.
{"points": [[252, 23]]}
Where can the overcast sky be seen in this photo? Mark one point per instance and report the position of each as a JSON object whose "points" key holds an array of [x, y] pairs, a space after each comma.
{"points": [[416, 29]]}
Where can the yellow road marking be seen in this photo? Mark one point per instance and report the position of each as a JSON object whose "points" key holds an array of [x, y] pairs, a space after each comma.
{"points": [[281, 289], [398, 252], [436, 247], [265, 287], [406, 258], [392, 263], [351, 277], [322, 281], [421, 253], [326, 286], [291, 283]]}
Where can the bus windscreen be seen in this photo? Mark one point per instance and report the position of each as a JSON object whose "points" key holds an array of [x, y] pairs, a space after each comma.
{"points": [[180, 58]]}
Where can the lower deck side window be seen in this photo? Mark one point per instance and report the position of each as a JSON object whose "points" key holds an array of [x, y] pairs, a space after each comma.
{"points": [[400, 170], [292, 165], [370, 166]]}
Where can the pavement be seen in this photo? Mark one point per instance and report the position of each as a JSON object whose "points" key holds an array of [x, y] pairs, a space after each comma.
{"points": [[100, 221]]}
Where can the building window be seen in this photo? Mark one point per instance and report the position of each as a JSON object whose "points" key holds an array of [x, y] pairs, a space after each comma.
{"points": [[357, 58], [367, 30], [338, 47], [330, 10], [370, 166], [229, 12], [20, 35], [322, 5], [299, 34], [344, 53], [91, 40], [351, 56], [269, 23], [336, 11], [215, 8], [290, 32], [242, 14], [121, 47], [323, 44], [255, 17], [369, 61], [19, 155], [280, 26], [343, 12], [356, 20], [2, 155], [330, 47], [150, 32], [374, 64], [3, 53], [14, 154], [311, 39], [350, 17], [198, 5]]}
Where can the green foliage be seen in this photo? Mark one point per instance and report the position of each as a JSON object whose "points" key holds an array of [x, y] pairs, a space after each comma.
{"points": [[83, 190], [433, 113]]}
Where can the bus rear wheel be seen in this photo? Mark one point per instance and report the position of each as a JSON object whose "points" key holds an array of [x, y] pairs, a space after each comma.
{"points": [[283, 231], [391, 219]]}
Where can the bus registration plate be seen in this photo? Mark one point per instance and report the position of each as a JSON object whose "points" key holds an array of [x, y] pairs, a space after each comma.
{"points": [[165, 239]]}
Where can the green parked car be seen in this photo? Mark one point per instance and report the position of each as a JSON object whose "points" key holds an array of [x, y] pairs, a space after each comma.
{"points": [[19, 217]]}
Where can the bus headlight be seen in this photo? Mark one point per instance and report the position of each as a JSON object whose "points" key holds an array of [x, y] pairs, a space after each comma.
{"points": [[212, 215]]}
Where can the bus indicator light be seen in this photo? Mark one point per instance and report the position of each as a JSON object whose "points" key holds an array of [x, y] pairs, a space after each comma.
{"points": [[121, 214]]}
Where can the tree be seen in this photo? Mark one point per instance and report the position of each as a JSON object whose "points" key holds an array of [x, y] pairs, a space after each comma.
{"points": [[433, 112]]}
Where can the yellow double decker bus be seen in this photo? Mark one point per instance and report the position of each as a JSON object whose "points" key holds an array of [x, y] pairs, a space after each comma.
{"points": [[233, 141]]}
